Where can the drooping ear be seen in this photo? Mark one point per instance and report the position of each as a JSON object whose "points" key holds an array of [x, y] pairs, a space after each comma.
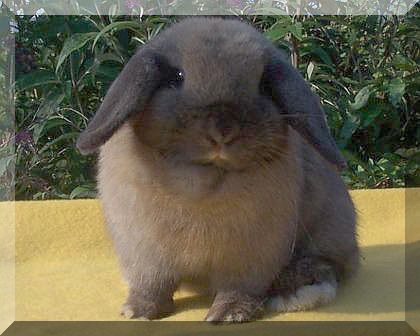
{"points": [[127, 95], [301, 107]]}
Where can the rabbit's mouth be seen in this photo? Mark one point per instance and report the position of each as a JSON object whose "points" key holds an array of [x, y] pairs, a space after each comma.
{"points": [[218, 159], [220, 164]]}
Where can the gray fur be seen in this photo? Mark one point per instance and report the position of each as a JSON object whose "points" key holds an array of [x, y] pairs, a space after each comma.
{"points": [[214, 180]]}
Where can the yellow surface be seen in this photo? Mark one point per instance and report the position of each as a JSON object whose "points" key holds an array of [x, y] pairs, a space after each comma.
{"points": [[66, 269], [7, 265]]}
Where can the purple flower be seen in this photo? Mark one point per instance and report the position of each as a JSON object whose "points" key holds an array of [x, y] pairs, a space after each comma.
{"points": [[23, 138], [132, 4]]}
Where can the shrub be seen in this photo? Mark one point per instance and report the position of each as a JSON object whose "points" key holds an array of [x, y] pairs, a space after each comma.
{"points": [[365, 69]]}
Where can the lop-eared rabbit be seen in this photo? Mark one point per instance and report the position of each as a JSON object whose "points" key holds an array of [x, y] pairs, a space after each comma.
{"points": [[217, 167]]}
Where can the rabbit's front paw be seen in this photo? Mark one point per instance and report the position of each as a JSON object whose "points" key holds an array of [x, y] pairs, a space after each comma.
{"points": [[144, 310]]}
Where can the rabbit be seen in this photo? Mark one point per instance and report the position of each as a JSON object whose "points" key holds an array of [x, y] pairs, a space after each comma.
{"points": [[216, 167]]}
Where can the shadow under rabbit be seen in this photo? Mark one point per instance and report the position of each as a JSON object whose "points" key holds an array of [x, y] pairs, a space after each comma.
{"points": [[378, 287]]}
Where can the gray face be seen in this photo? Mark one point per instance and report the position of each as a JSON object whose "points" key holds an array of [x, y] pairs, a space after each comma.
{"points": [[211, 108], [208, 112], [212, 92], [226, 134]]}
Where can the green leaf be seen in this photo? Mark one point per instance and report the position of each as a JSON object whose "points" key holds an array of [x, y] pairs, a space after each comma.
{"points": [[323, 55], [36, 78], [296, 30], [107, 72], [278, 30], [66, 136], [113, 10], [5, 162], [276, 33], [108, 57], [409, 152], [51, 102], [269, 11], [369, 115], [361, 98], [83, 191], [403, 63], [350, 126], [310, 69], [41, 128], [396, 90], [119, 25], [73, 43]]}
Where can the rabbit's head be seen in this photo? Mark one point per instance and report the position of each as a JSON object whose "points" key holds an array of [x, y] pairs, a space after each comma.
{"points": [[212, 92]]}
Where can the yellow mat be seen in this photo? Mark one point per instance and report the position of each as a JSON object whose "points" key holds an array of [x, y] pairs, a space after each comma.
{"points": [[66, 270]]}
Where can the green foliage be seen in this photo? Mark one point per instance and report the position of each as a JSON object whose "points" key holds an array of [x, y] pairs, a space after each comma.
{"points": [[365, 69]]}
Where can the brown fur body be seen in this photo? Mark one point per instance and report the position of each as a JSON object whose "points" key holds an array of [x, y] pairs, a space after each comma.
{"points": [[240, 237], [210, 183]]}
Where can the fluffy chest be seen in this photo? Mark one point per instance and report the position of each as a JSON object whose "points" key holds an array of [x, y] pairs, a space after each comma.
{"points": [[231, 235], [248, 222]]}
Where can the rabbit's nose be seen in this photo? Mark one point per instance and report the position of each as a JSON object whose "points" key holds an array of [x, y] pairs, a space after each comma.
{"points": [[222, 134], [222, 124]]}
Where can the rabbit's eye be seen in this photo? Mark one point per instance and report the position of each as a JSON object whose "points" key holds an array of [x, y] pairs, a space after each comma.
{"points": [[176, 79]]}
